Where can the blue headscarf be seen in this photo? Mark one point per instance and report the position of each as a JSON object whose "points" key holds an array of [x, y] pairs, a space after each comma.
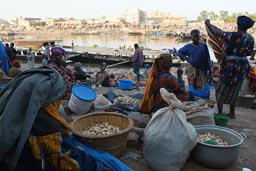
{"points": [[244, 22], [4, 58]]}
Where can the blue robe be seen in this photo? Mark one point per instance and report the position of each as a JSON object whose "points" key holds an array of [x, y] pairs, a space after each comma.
{"points": [[4, 58]]}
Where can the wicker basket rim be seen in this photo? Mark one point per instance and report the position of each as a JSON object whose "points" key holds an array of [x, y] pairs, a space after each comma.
{"points": [[101, 136]]}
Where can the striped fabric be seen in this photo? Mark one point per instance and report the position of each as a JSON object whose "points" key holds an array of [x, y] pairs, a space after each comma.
{"points": [[218, 50], [162, 63]]}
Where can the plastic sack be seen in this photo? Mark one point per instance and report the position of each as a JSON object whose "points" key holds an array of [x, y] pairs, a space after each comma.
{"points": [[168, 137], [101, 103], [198, 113], [205, 94]]}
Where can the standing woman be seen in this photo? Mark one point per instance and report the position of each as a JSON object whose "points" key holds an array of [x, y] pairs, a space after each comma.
{"points": [[198, 57], [231, 50]]}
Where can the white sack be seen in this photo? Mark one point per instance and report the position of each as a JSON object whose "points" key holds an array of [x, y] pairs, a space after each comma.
{"points": [[168, 137]]}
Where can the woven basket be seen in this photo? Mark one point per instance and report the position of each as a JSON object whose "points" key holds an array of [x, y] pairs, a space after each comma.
{"points": [[114, 144]]}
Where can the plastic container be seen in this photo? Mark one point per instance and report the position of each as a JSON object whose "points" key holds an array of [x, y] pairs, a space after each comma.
{"points": [[81, 99], [205, 94], [245, 100], [125, 84], [221, 119]]}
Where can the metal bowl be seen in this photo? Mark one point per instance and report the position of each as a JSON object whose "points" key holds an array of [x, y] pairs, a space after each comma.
{"points": [[215, 156]]}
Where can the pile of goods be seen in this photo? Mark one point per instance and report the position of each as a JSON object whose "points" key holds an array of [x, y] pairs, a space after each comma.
{"points": [[101, 129], [127, 100], [212, 139]]}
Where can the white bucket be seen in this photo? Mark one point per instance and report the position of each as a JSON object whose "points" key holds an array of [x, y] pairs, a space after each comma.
{"points": [[81, 99]]}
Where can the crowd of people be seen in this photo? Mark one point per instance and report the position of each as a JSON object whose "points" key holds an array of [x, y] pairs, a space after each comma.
{"points": [[53, 82]]}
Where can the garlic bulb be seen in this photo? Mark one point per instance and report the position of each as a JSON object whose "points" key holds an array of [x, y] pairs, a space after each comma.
{"points": [[211, 137]]}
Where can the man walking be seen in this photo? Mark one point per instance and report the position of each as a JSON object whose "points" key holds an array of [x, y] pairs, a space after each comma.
{"points": [[137, 61]]}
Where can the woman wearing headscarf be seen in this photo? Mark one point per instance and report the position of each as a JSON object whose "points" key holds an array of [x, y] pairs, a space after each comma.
{"points": [[15, 69], [33, 134], [68, 75], [160, 77], [80, 74], [231, 50]]}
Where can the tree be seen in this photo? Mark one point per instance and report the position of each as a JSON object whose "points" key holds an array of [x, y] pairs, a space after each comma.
{"points": [[213, 16], [203, 15], [223, 15]]}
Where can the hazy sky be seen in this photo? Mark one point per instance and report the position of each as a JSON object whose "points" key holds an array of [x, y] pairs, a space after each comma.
{"points": [[98, 8]]}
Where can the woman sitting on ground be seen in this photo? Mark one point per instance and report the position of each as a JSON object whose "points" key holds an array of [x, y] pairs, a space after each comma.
{"points": [[59, 64], [15, 69], [80, 74], [160, 77], [42, 139]]}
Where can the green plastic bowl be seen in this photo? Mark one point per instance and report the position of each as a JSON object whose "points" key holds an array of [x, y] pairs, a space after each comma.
{"points": [[221, 119]]}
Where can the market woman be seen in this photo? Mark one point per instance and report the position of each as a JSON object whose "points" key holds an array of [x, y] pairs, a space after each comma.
{"points": [[231, 50], [160, 77], [34, 137]]}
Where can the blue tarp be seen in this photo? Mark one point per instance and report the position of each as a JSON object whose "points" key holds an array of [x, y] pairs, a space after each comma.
{"points": [[102, 157]]}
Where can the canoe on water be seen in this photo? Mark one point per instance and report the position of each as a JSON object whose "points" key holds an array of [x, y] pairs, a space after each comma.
{"points": [[34, 44]]}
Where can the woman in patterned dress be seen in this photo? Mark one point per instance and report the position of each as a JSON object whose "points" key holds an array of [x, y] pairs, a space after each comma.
{"points": [[235, 47]]}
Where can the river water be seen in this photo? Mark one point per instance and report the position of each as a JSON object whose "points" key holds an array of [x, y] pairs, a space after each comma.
{"points": [[116, 40]]}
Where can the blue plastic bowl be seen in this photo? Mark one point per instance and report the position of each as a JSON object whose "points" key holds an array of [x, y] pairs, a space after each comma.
{"points": [[125, 84]]}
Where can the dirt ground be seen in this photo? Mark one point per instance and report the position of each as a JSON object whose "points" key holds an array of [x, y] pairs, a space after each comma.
{"points": [[244, 123]]}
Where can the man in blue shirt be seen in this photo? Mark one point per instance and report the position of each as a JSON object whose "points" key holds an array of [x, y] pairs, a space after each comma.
{"points": [[198, 57]]}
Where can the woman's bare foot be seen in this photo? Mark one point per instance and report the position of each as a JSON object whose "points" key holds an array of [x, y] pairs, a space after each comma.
{"points": [[232, 116]]}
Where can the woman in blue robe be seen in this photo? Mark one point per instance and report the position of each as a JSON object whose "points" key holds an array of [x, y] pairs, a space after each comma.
{"points": [[4, 58]]}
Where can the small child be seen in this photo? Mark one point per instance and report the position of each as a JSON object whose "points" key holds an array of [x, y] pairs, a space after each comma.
{"points": [[112, 80], [180, 79], [147, 70]]}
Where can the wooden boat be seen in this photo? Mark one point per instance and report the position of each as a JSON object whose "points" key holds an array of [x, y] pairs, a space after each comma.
{"points": [[34, 44], [113, 60]]}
